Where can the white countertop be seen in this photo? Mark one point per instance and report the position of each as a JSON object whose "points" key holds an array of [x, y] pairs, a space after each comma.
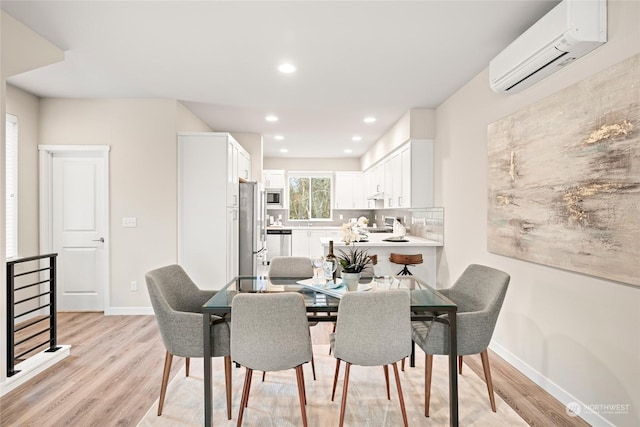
{"points": [[302, 227], [376, 240]]}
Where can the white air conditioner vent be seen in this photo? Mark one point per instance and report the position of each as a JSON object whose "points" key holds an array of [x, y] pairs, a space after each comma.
{"points": [[570, 30]]}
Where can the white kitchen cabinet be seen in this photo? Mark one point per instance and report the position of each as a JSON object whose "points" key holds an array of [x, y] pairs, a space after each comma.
{"points": [[417, 174], [377, 178], [307, 243], [315, 247], [392, 180], [407, 176], [233, 255], [404, 199], [244, 165], [349, 191], [233, 190], [300, 242], [273, 179], [208, 207]]}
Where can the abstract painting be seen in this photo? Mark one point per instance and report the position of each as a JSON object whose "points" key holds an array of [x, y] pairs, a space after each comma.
{"points": [[564, 178]]}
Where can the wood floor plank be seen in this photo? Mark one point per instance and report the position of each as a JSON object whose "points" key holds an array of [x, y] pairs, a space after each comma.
{"points": [[113, 375]]}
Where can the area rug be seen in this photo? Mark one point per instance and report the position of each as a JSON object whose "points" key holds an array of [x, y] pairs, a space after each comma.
{"points": [[275, 401]]}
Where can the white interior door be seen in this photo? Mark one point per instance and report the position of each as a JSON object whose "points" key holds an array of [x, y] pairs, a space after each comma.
{"points": [[77, 220]]}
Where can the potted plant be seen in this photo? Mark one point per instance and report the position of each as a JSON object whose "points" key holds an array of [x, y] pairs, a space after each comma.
{"points": [[353, 261]]}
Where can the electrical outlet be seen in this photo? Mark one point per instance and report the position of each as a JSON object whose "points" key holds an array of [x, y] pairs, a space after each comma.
{"points": [[129, 222], [134, 286], [341, 217]]}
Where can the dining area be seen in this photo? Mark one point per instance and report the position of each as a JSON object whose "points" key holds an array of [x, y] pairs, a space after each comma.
{"points": [[297, 351]]}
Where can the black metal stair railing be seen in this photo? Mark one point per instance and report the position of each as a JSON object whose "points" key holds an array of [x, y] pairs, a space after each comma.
{"points": [[41, 292]]}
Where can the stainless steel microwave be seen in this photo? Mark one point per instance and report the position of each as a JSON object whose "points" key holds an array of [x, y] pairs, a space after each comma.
{"points": [[275, 198]]}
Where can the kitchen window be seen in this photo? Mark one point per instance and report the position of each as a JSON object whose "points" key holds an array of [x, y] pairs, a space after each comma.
{"points": [[11, 192], [310, 196]]}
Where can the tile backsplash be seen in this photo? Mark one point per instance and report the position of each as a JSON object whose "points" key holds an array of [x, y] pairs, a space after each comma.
{"points": [[427, 223]]}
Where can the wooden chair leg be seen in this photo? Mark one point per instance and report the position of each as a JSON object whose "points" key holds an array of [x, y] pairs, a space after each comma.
{"points": [[304, 387], [187, 364], [245, 394], [301, 394], [487, 375], [403, 365], [313, 368], [460, 365], [246, 403], [428, 370], [227, 383], [345, 388], [402, 408], [333, 331], [335, 379], [263, 375], [386, 379], [168, 358]]}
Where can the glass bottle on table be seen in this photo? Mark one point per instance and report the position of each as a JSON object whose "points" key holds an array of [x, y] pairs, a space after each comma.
{"points": [[330, 264]]}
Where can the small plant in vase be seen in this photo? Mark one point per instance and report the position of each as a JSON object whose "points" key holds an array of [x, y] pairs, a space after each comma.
{"points": [[353, 261]]}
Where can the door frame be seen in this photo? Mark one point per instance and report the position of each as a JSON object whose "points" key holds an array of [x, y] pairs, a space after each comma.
{"points": [[45, 166]]}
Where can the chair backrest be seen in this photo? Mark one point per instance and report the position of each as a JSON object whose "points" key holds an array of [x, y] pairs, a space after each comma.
{"points": [[290, 266], [177, 304], [175, 287], [373, 328], [480, 289], [270, 332]]}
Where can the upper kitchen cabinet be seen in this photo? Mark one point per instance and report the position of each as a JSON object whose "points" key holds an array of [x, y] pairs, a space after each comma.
{"points": [[273, 179], [349, 190], [209, 169], [244, 165], [407, 176]]}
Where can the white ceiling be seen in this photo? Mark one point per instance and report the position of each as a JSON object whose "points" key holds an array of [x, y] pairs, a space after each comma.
{"points": [[354, 59]]}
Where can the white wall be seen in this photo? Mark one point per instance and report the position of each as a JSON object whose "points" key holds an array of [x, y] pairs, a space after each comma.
{"points": [[417, 123], [337, 164], [579, 336], [26, 107], [21, 50], [142, 137]]}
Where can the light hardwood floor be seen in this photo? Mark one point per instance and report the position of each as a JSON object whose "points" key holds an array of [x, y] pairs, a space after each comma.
{"points": [[113, 377]]}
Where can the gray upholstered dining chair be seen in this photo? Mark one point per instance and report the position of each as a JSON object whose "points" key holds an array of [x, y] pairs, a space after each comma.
{"points": [[478, 293], [290, 266], [264, 342], [373, 329], [177, 303], [293, 267]]}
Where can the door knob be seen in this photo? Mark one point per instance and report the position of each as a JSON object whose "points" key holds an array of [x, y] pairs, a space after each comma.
{"points": [[99, 240]]}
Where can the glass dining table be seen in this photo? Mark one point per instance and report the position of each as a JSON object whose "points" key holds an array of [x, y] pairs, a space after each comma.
{"points": [[322, 302]]}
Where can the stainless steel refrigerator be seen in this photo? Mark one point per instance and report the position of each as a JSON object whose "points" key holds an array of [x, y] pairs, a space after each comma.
{"points": [[252, 228]]}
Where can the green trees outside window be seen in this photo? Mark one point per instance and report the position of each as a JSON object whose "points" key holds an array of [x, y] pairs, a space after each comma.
{"points": [[309, 197]]}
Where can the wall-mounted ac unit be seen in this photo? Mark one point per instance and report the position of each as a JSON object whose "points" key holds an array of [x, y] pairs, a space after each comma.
{"points": [[570, 30]]}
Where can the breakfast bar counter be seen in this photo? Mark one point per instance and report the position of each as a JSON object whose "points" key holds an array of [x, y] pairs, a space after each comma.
{"points": [[377, 245]]}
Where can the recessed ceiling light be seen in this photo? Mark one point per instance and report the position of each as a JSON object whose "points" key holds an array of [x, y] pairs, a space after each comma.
{"points": [[271, 118], [356, 138], [287, 68], [278, 137], [348, 150], [284, 150], [369, 119]]}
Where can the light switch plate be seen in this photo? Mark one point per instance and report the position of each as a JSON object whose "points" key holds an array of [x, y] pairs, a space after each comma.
{"points": [[129, 222]]}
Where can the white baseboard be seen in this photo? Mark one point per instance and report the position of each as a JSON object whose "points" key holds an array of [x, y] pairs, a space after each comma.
{"points": [[549, 386], [33, 366], [128, 311]]}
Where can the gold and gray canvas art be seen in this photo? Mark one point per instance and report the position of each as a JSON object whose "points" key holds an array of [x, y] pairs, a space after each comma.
{"points": [[564, 178]]}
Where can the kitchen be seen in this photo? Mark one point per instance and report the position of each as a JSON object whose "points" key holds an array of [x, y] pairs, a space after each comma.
{"points": [[147, 190]]}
